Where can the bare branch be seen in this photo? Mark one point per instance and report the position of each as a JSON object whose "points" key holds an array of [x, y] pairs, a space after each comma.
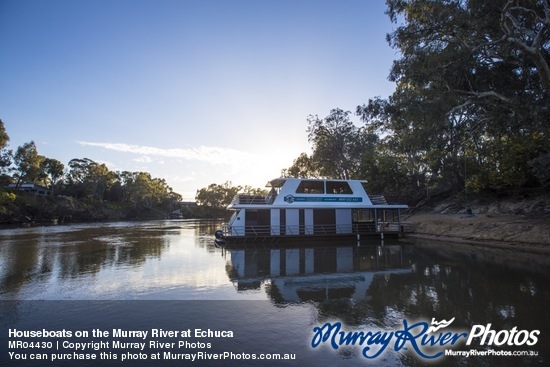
{"points": [[533, 50]]}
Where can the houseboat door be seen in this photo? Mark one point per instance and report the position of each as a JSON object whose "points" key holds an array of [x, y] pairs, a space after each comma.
{"points": [[258, 222]]}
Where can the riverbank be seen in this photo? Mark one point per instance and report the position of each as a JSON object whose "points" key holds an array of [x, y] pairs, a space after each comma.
{"points": [[23, 209], [519, 223]]}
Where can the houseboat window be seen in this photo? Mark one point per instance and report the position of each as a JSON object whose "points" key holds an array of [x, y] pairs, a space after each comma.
{"points": [[363, 215], [338, 187], [311, 187]]}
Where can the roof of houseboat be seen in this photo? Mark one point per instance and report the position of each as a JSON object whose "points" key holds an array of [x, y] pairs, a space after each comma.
{"points": [[313, 193]]}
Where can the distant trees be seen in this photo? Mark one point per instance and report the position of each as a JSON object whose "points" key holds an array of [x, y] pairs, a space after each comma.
{"points": [[218, 196], [470, 110], [87, 178], [141, 188], [28, 164], [54, 171], [33, 167], [84, 178]]}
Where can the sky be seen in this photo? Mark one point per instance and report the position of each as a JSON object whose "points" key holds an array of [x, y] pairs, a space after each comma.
{"points": [[192, 91]]}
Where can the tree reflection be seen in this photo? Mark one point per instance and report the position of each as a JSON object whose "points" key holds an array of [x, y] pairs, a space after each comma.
{"points": [[38, 256]]}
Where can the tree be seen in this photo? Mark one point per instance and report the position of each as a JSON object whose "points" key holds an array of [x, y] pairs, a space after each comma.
{"points": [[54, 170], [471, 87], [217, 196], [5, 154], [340, 149], [303, 167], [142, 189], [28, 165], [541, 169], [89, 179], [336, 147], [255, 191], [526, 26]]}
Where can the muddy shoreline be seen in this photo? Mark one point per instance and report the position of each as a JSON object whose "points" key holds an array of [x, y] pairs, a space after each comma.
{"points": [[512, 232]]}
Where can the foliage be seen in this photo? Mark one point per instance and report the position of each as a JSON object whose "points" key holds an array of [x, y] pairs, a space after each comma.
{"points": [[303, 167], [343, 150], [336, 149], [217, 196], [340, 148], [85, 179], [54, 170], [141, 188], [541, 168], [5, 199], [28, 165], [470, 110], [471, 104], [5, 154]]}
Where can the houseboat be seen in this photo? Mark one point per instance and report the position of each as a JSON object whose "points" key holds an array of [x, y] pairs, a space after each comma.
{"points": [[296, 208]]}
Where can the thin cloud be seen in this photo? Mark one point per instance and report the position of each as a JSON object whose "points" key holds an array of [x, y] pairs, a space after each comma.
{"points": [[212, 155]]}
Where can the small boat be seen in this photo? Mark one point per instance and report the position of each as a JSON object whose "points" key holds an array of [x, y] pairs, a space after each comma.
{"points": [[297, 208]]}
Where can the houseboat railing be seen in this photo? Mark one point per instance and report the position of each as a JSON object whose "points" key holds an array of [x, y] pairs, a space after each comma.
{"points": [[319, 229], [250, 199], [378, 199]]}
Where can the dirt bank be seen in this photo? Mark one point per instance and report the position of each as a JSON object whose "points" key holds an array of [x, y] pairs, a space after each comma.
{"points": [[511, 223]]}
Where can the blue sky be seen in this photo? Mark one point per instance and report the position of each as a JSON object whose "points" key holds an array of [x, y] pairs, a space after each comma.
{"points": [[196, 92]]}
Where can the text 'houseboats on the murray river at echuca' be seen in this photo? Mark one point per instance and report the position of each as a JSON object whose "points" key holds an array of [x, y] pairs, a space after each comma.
{"points": [[297, 208]]}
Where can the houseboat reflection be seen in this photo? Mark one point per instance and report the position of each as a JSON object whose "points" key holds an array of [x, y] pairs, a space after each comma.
{"points": [[316, 273]]}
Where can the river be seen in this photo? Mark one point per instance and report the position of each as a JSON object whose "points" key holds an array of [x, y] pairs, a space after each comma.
{"points": [[170, 275]]}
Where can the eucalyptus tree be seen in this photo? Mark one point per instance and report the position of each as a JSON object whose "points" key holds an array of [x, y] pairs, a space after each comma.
{"points": [[28, 165], [337, 145], [54, 170], [303, 167], [471, 104], [89, 178], [340, 150], [217, 196]]}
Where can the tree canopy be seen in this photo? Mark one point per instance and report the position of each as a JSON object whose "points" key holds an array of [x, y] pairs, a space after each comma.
{"points": [[470, 109], [217, 196]]}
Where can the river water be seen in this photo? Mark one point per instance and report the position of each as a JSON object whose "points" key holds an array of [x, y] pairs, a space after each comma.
{"points": [[170, 275]]}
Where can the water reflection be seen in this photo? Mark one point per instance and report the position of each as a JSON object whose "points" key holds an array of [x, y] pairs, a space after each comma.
{"points": [[362, 286], [114, 260], [38, 254], [377, 287], [315, 273]]}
